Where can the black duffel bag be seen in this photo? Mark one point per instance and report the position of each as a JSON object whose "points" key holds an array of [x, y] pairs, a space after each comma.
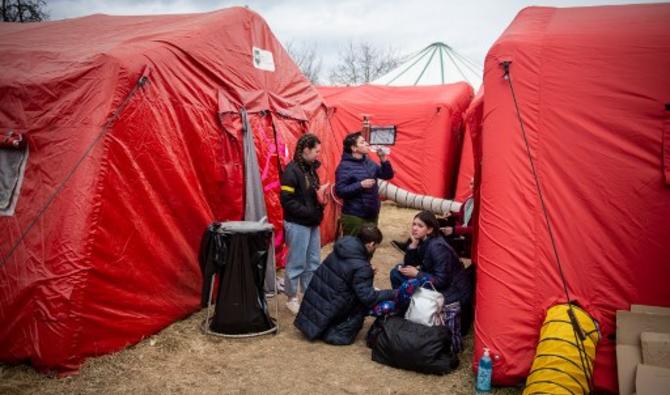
{"points": [[407, 345]]}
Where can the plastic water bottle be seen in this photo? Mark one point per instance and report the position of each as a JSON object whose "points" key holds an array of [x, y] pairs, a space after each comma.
{"points": [[484, 373], [380, 149]]}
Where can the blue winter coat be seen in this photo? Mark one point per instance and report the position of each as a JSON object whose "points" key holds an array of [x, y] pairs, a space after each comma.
{"points": [[436, 258], [359, 201], [339, 295]]}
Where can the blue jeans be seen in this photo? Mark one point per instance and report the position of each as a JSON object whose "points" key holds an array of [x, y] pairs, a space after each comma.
{"points": [[304, 256], [397, 278]]}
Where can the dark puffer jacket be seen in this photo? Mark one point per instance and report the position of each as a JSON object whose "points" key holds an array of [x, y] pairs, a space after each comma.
{"points": [[339, 295], [359, 201], [298, 199], [436, 258]]}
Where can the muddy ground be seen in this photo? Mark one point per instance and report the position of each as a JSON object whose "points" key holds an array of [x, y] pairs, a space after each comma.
{"points": [[181, 359]]}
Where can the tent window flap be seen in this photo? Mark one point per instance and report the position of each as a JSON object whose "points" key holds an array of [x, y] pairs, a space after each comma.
{"points": [[383, 135], [13, 158]]}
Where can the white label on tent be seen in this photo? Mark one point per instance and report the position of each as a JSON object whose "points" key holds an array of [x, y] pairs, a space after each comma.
{"points": [[262, 59]]}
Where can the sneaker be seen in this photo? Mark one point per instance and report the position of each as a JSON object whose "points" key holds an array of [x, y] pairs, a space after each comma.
{"points": [[399, 245], [293, 305]]}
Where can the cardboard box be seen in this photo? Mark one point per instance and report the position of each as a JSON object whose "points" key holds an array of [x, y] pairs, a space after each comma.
{"points": [[642, 308], [628, 356], [656, 349], [652, 380], [630, 326]]}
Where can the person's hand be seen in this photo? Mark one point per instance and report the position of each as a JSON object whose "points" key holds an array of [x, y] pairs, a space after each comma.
{"points": [[447, 230], [446, 214], [414, 242], [368, 183], [322, 194], [409, 271], [381, 153]]}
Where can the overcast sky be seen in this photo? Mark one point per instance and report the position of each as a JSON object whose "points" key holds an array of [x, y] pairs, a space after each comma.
{"points": [[406, 26]]}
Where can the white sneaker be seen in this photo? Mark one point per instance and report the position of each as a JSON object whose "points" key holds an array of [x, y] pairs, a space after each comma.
{"points": [[293, 305], [280, 285]]}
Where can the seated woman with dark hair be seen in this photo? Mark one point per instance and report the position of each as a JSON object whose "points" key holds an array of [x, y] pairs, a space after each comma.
{"points": [[457, 228], [429, 258]]}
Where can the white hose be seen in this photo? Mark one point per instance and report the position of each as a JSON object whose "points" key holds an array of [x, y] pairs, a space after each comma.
{"points": [[412, 200]]}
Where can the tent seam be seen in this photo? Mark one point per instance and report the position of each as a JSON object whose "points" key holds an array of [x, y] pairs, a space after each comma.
{"points": [[93, 232], [537, 223]]}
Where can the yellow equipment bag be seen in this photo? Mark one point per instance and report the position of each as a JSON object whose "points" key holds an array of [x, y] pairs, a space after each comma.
{"points": [[563, 361]]}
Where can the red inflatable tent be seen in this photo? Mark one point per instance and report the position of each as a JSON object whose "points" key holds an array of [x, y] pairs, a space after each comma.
{"points": [[472, 119], [593, 91], [428, 122], [133, 128]]}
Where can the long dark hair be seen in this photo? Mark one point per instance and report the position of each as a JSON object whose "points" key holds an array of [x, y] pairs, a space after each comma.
{"points": [[310, 141], [430, 220]]}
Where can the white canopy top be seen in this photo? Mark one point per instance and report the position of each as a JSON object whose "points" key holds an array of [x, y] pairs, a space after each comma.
{"points": [[436, 64]]}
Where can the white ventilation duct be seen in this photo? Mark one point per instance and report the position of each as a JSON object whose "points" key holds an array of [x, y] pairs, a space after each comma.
{"points": [[420, 202]]}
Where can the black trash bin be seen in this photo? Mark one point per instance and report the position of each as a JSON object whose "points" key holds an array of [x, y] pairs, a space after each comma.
{"points": [[237, 253]]}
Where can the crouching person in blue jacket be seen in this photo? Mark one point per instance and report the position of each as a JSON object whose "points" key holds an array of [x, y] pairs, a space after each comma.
{"points": [[341, 294]]}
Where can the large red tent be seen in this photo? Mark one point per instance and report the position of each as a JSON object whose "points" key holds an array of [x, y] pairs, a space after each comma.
{"points": [[133, 128], [593, 92], [428, 122]]}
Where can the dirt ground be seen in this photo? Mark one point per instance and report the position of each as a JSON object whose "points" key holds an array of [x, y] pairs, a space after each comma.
{"points": [[181, 359]]}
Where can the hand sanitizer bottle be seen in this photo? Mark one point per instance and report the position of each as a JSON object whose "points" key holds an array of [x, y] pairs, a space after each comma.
{"points": [[484, 373]]}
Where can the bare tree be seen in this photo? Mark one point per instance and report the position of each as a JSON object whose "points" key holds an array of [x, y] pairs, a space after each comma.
{"points": [[24, 11], [362, 63], [306, 58]]}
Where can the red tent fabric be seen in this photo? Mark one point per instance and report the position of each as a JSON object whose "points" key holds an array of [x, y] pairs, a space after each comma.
{"points": [[472, 119], [157, 101], [428, 122], [593, 89]]}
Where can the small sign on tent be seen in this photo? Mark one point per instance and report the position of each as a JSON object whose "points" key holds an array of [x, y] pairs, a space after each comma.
{"points": [[263, 59]]}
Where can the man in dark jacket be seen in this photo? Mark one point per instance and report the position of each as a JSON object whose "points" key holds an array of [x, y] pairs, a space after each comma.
{"points": [[341, 292], [356, 183]]}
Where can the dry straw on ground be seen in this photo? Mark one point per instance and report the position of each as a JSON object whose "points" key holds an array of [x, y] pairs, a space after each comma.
{"points": [[180, 359]]}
